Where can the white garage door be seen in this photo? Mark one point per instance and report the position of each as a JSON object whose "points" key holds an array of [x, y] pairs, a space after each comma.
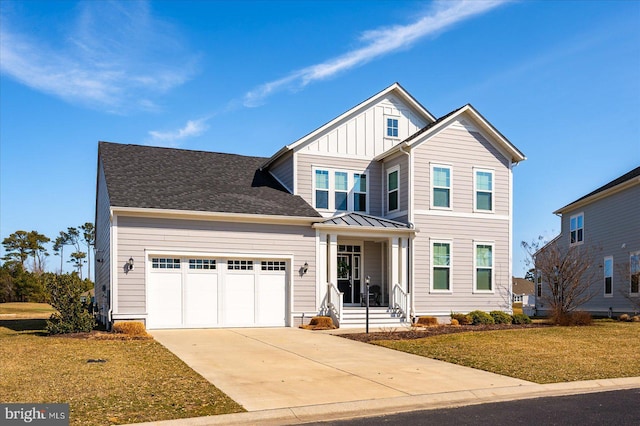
{"points": [[198, 293]]}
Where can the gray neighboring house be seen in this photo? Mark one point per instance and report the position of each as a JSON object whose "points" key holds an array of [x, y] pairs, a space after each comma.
{"points": [[607, 220], [419, 207]]}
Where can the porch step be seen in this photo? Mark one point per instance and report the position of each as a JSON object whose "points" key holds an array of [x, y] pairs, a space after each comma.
{"points": [[356, 317]]}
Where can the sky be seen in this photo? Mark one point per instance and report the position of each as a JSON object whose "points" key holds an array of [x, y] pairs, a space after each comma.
{"points": [[560, 79]]}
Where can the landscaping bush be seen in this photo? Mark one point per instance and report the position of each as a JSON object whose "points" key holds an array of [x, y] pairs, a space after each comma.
{"points": [[573, 318], [624, 317], [454, 322], [500, 317], [73, 315], [480, 317], [130, 328], [521, 319], [319, 323], [426, 322], [635, 318], [463, 319]]}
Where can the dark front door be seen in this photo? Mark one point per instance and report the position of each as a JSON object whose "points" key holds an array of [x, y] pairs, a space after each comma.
{"points": [[349, 277]]}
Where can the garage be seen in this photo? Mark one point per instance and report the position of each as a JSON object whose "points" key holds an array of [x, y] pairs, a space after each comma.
{"points": [[194, 292]]}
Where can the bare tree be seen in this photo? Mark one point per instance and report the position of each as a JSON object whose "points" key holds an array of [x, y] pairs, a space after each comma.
{"points": [[630, 271], [567, 274]]}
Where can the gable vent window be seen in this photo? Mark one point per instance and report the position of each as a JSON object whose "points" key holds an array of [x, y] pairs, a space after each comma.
{"points": [[240, 265], [392, 127]]}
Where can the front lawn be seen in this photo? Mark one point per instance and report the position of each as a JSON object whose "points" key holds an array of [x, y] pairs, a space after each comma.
{"points": [[541, 355], [25, 310], [106, 381]]}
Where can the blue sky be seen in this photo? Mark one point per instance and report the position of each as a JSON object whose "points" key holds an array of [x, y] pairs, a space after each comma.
{"points": [[560, 79]]}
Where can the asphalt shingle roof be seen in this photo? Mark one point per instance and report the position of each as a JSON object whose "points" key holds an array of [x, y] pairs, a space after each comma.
{"points": [[625, 177], [177, 179]]}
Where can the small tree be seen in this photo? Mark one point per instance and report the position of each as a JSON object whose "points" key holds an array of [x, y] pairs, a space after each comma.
{"points": [[73, 315], [89, 238], [567, 274], [77, 259]]}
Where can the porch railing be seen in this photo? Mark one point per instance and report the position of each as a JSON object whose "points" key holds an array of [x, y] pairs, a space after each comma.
{"points": [[335, 303], [401, 301]]}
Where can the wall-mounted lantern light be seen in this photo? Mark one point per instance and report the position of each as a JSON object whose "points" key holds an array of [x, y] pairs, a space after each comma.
{"points": [[130, 264], [305, 268]]}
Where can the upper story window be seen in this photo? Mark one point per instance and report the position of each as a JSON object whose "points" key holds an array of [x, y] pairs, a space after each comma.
{"points": [[441, 184], [340, 190], [576, 227], [483, 194], [608, 276], [441, 265], [484, 267], [393, 183], [634, 273], [392, 127]]}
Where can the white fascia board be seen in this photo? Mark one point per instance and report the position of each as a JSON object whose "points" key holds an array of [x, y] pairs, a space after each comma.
{"points": [[600, 195], [395, 87], [217, 216]]}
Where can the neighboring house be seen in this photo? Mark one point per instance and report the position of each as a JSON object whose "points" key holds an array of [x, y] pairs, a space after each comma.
{"points": [[607, 221], [419, 207], [522, 290]]}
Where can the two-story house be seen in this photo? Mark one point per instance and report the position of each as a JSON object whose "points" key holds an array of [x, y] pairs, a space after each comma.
{"points": [[418, 207], [606, 221]]}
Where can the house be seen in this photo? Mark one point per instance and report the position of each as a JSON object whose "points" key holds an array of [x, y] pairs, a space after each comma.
{"points": [[607, 222], [416, 207], [522, 290]]}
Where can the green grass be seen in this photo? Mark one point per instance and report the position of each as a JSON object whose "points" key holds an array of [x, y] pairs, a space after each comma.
{"points": [[541, 355], [25, 310], [140, 381]]}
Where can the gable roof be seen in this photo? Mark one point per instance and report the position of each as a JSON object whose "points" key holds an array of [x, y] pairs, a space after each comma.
{"points": [[396, 88], [515, 154], [176, 179], [522, 286], [615, 185]]}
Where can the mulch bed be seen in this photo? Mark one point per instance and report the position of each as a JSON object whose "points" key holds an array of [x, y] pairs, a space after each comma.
{"points": [[421, 332]]}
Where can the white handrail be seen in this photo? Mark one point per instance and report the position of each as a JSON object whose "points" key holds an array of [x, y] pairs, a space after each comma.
{"points": [[401, 300], [335, 303]]}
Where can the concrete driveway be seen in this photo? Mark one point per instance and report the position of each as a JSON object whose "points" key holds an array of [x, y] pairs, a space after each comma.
{"points": [[269, 368]]}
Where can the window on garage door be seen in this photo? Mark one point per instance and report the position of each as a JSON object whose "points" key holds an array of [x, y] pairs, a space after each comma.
{"points": [[202, 264], [165, 263], [273, 265], [240, 265]]}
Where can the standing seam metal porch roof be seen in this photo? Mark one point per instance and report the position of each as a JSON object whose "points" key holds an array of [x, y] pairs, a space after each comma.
{"points": [[363, 220]]}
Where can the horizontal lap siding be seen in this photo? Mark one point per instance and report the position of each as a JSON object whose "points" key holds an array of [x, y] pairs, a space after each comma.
{"points": [[137, 234], [102, 246], [403, 185]]}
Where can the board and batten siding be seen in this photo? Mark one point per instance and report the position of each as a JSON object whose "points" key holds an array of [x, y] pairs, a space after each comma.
{"points": [[103, 247], [611, 228], [282, 170], [306, 164], [464, 151], [137, 234]]}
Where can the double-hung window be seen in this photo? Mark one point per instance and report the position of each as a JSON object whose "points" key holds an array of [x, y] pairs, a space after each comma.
{"points": [[322, 189], [441, 265], [483, 267], [634, 273], [393, 183], [483, 194], [359, 192], [339, 190], [576, 227], [392, 127], [441, 184], [608, 276]]}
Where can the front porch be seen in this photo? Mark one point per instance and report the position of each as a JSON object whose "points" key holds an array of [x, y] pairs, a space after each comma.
{"points": [[359, 253]]}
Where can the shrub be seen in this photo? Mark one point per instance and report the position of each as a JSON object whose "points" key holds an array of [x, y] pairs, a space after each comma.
{"points": [[130, 328], [454, 322], [521, 319], [73, 315], [574, 318], [500, 317], [624, 317], [635, 318], [426, 321], [462, 319], [480, 317], [319, 323]]}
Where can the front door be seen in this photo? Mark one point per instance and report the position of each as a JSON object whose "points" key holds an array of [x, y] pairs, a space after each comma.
{"points": [[349, 277]]}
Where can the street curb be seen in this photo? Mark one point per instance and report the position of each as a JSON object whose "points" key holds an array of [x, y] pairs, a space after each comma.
{"points": [[387, 406]]}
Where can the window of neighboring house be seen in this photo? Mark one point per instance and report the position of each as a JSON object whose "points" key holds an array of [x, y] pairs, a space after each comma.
{"points": [[539, 285], [392, 127], [322, 189], [341, 187], [576, 225], [441, 261], [634, 272], [393, 177], [608, 276], [441, 183], [484, 267], [484, 190], [359, 192]]}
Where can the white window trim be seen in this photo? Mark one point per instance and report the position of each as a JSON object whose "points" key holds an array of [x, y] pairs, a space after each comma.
{"points": [[577, 243], [604, 277], [353, 192], [332, 191], [432, 263], [635, 253], [475, 266], [395, 168], [475, 190], [386, 127], [432, 186]]}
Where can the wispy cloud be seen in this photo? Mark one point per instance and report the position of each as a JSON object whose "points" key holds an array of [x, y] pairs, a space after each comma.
{"points": [[376, 43], [113, 56], [173, 138]]}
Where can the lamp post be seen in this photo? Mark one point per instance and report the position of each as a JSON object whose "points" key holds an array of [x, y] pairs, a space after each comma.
{"points": [[366, 295]]}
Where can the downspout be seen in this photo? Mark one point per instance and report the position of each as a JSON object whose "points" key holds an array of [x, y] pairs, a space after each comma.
{"points": [[411, 220]]}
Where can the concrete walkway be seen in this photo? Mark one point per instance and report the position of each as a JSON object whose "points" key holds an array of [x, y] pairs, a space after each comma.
{"points": [[289, 376]]}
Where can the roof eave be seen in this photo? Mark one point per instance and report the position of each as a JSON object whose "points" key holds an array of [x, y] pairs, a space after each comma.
{"points": [[595, 197]]}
